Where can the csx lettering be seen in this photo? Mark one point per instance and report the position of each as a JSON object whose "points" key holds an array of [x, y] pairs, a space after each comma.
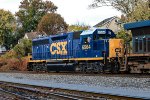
{"points": [[58, 48], [84, 47]]}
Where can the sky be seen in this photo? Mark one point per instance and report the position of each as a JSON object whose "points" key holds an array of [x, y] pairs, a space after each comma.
{"points": [[73, 11]]}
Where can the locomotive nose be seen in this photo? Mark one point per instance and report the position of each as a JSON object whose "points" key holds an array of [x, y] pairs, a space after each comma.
{"points": [[116, 48]]}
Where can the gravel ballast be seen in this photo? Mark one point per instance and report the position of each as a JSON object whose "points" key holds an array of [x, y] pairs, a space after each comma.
{"points": [[123, 85], [124, 82]]}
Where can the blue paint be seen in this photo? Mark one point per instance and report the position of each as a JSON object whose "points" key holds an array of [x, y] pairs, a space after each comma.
{"points": [[139, 24], [89, 44]]}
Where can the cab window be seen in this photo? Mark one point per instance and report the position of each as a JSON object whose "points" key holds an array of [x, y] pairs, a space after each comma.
{"points": [[86, 40], [98, 36]]}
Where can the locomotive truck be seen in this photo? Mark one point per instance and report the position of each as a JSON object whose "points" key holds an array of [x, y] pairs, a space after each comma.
{"points": [[94, 50]]}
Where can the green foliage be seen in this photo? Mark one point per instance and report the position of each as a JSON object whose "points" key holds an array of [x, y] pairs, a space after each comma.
{"points": [[10, 54], [78, 27], [123, 35], [52, 23], [7, 28], [125, 6], [19, 49], [31, 12], [140, 12], [23, 48], [132, 9]]}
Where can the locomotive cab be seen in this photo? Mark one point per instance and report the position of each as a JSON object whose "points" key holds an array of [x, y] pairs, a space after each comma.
{"points": [[86, 45], [95, 42], [101, 45]]}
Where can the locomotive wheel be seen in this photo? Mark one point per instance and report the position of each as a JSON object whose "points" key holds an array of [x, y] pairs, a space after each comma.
{"points": [[44, 67], [38, 67], [96, 68], [34, 67], [84, 68], [78, 68], [30, 67], [116, 68]]}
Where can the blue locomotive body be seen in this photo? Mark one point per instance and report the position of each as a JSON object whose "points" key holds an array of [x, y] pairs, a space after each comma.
{"points": [[83, 50], [82, 44]]}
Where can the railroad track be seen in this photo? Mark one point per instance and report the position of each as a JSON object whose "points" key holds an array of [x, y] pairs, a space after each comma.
{"points": [[31, 92], [28, 92], [84, 74]]}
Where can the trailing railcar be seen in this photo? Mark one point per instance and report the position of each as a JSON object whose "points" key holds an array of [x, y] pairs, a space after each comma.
{"points": [[138, 60], [94, 50]]}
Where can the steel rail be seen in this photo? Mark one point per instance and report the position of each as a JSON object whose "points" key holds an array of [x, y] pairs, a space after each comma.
{"points": [[38, 92], [96, 96], [15, 94], [135, 75]]}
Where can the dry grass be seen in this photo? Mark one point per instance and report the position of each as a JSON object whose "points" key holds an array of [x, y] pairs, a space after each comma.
{"points": [[9, 62]]}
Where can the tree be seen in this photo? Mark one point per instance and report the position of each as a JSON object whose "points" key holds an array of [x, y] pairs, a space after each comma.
{"points": [[7, 28], [31, 12], [52, 23], [123, 35], [23, 48], [133, 10], [141, 12], [127, 7], [78, 27]]}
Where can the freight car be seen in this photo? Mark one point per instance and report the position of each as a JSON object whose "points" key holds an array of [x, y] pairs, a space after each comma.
{"points": [[94, 50], [138, 61]]}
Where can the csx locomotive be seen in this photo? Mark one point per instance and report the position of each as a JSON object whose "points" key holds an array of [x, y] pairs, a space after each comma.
{"points": [[93, 50]]}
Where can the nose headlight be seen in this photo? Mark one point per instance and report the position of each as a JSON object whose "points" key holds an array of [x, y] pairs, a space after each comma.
{"points": [[118, 50]]}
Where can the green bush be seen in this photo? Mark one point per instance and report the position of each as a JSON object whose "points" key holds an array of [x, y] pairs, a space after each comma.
{"points": [[23, 48], [15, 59], [124, 35], [9, 54]]}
